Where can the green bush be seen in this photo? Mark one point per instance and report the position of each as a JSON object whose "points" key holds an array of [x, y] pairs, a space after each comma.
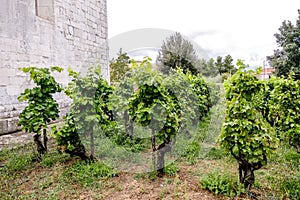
{"points": [[224, 184]]}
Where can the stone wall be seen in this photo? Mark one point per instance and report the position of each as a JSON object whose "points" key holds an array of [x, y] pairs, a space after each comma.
{"points": [[43, 33]]}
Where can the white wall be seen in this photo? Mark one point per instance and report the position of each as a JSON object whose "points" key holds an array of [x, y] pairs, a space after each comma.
{"points": [[73, 35]]}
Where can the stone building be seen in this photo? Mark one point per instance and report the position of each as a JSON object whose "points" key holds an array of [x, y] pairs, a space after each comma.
{"points": [[43, 33]]}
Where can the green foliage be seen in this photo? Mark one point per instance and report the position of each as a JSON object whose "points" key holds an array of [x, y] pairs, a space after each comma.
{"points": [[153, 103], [223, 183], [66, 136], [214, 90], [50, 159], [150, 94], [87, 174], [142, 106], [90, 95], [201, 90], [216, 153], [246, 133], [119, 67], [207, 67], [177, 52], [285, 109], [41, 108], [171, 169], [17, 163], [192, 152], [166, 103], [88, 112], [225, 66], [291, 188], [287, 59], [291, 158]]}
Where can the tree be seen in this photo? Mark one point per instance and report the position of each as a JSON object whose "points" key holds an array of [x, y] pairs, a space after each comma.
{"points": [[177, 52], [287, 58], [207, 67], [42, 108], [226, 65], [119, 67]]}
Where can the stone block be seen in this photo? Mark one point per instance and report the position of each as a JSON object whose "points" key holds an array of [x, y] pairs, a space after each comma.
{"points": [[3, 126], [73, 40]]}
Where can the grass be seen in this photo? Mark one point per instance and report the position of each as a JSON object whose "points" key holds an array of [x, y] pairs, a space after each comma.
{"points": [[85, 174], [59, 176], [205, 172]]}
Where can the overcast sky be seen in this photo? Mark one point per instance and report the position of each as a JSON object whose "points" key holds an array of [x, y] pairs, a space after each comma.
{"points": [[243, 29]]}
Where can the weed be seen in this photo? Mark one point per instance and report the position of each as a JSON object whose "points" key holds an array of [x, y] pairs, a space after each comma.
{"points": [[192, 152], [291, 187], [161, 194], [216, 153], [224, 184], [18, 163], [168, 181], [152, 175], [50, 159], [171, 169], [139, 176]]}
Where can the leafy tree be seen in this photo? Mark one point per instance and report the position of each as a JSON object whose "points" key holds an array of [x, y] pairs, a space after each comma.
{"points": [[226, 65], [119, 67], [177, 52], [42, 108], [246, 133], [207, 67], [286, 59]]}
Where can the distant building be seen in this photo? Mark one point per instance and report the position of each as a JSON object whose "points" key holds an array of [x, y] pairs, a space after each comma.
{"points": [[43, 33], [266, 73]]}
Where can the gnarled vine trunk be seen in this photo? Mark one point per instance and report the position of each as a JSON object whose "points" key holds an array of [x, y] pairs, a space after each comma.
{"points": [[161, 151], [128, 124], [45, 139], [81, 152], [153, 147], [246, 172], [92, 148], [40, 147]]}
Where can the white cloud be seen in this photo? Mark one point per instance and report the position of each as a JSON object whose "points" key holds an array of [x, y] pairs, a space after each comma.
{"points": [[240, 28]]}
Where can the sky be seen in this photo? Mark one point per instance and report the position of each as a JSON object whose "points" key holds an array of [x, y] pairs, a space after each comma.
{"points": [[243, 29]]}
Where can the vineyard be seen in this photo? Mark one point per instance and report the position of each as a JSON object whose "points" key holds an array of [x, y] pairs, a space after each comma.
{"points": [[157, 136]]}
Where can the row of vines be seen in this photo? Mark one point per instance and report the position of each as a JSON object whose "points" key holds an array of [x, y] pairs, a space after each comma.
{"points": [[144, 110], [147, 110]]}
